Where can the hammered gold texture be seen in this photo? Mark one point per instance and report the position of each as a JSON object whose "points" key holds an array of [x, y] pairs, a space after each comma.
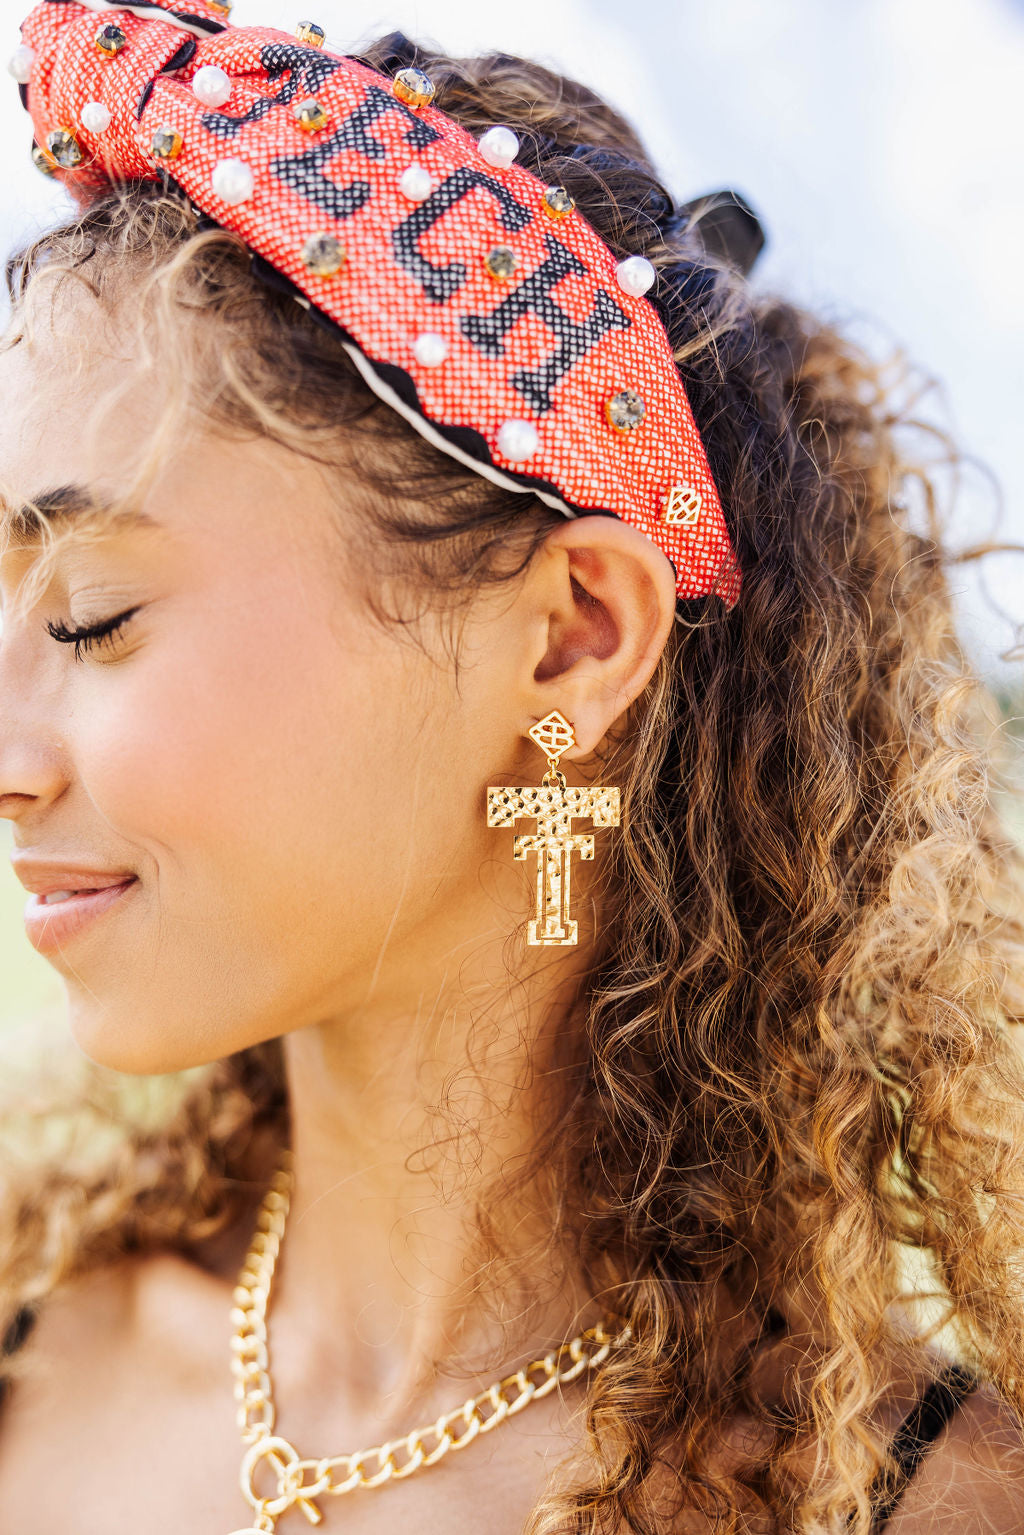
{"points": [[570, 340], [300, 1482], [554, 807]]}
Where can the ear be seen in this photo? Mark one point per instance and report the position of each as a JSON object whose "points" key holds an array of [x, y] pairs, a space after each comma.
{"points": [[609, 600]]}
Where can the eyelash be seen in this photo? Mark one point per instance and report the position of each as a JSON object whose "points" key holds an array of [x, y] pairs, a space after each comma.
{"points": [[90, 636]]}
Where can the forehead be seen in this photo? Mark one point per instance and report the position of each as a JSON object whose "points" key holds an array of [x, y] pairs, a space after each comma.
{"points": [[81, 448], [67, 408]]}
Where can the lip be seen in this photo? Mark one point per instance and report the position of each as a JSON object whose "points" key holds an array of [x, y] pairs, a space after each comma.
{"points": [[45, 875], [50, 928]]}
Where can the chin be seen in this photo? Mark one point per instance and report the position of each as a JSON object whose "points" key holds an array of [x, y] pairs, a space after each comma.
{"points": [[133, 1041]]}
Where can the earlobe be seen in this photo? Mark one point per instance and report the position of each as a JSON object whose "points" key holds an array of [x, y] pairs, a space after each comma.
{"points": [[611, 602]]}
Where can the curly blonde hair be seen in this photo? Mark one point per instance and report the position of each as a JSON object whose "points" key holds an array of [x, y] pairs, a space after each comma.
{"points": [[800, 1102]]}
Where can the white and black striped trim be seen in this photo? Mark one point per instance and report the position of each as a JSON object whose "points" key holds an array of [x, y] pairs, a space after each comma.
{"points": [[446, 441], [396, 388], [199, 26]]}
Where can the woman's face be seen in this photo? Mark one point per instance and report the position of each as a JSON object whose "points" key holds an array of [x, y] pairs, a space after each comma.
{"points": [[291, 795]]}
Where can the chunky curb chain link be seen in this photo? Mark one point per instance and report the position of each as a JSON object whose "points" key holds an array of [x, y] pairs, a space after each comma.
{"points": [[300, 1481]]}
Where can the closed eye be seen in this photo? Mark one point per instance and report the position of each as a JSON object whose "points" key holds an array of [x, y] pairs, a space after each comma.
{"points": [[90, 636]]}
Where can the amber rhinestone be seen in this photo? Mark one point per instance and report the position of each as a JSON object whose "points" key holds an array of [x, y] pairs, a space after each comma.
{"points": [[625, 410], [64, 148], [166, 143], [556, 202], [309, 114], [323, 255], [42, 161], [224, 6], [501, 262], [413, 87], [310, 33], [110, 40]]}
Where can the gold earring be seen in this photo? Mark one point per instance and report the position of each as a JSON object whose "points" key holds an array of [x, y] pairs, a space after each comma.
{"points": [[554, 806]]}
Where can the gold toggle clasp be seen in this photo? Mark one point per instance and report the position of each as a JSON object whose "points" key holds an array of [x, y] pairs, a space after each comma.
{"points": [[286, 1462]]}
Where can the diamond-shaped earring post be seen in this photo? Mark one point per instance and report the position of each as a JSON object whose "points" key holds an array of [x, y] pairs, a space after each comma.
{"points": [[554, 735]]}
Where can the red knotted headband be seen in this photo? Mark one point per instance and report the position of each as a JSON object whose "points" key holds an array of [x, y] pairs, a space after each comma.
{"points": [[473, 299]]}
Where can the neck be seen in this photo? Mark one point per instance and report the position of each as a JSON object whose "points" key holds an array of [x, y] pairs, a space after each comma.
{"points": [[418, 1256]]}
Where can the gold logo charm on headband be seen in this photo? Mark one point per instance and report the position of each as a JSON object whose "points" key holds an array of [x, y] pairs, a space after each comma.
{"points": [[554, 806]]}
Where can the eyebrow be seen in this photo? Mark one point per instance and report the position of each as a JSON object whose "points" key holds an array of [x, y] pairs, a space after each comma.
{"points": [[64, 504]]}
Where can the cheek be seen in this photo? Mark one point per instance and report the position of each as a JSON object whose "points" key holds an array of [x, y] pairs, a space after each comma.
{"points": [[182, 754], [277, 797], [223, 742]]}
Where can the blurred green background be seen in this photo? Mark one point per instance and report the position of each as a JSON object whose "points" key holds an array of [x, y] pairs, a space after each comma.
{"points": [[43, 1072]]}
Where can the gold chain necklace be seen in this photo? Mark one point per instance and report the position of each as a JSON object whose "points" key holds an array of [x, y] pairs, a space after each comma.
{"points": [[300, 1482]]}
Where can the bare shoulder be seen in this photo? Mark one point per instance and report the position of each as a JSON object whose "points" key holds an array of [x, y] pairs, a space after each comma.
{"points": [[118, 1313], [86, 1313], [971, 1482]]}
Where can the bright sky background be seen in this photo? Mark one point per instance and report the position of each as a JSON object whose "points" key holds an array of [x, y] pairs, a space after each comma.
{"points": [[880, 140]]}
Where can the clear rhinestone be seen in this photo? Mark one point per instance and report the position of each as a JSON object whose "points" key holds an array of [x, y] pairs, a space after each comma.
{"points": [[501, 261], [311, 33], [556, 202], [64, 148], [499, 147], [635, 275], [625, 410], [309, 114], [323, 255], [110, 40], [413, 87], [166, 143]]}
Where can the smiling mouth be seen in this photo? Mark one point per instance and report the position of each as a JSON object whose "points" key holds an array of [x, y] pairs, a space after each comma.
{"points": [[54, 919]]}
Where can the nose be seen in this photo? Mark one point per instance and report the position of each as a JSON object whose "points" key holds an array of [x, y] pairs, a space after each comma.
{"points": [[33, 771], [30, 774]]}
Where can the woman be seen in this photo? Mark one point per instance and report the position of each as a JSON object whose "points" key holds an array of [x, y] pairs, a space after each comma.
{"points": [[725, 1094]]}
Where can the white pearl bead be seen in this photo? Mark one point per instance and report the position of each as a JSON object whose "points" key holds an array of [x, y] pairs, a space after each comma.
{"points": [[233, 181], [416, 183], [212, 85], [518, 439], [635, 275], [20, 62], [499, 147], [430, 349], [96, 116]]}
